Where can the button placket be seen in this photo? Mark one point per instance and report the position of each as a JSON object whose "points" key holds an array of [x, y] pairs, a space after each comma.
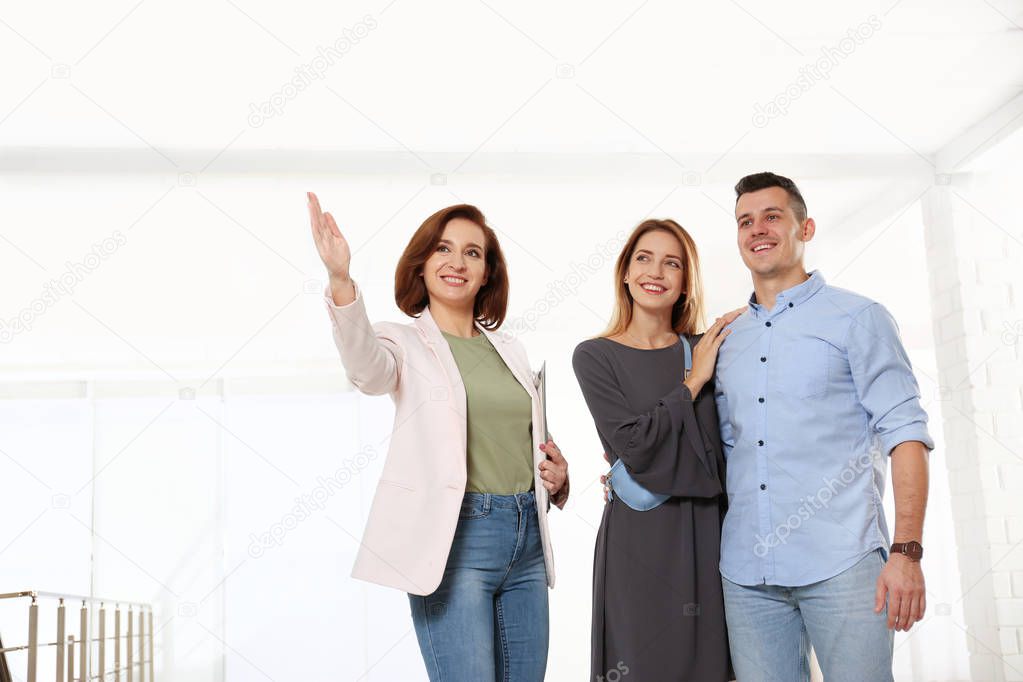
{"points": [[763, 501]]}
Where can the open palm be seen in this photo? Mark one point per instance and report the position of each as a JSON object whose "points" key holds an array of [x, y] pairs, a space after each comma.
{"points": [[330, 243]]}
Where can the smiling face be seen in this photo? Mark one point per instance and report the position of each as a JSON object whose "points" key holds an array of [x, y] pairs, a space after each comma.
{"points": [[771, 237], [656, 270], [457, 268]]}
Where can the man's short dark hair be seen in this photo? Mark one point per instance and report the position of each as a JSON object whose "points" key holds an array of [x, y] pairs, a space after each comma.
{"points": [[759, 181]]}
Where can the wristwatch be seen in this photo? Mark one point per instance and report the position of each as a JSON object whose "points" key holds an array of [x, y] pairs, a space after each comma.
{"points": [[913, 550]]}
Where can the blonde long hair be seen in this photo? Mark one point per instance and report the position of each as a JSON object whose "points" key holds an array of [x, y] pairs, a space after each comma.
{"points": [[687, 313]]}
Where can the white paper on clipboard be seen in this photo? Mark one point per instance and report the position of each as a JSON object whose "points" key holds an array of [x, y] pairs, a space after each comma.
{"points": [[540, 381]]}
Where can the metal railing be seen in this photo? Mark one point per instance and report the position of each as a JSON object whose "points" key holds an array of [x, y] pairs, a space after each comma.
{"points": [[136, 637]]}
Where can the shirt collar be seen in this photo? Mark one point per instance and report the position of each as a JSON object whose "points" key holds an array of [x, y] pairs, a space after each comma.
{"points": [[793, 295]]}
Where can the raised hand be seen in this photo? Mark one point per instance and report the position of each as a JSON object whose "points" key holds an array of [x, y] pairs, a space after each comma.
{"points": [[330, 243]]}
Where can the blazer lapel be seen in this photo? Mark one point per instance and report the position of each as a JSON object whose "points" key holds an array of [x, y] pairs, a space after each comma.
{"points": [[435, 340], [500, 344], [439, 347]]}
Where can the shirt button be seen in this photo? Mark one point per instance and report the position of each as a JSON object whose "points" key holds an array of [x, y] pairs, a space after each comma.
{"points": [[790, 305], [767, 324], [763, 358], [760, 400], [760, 442], [763, 486]]}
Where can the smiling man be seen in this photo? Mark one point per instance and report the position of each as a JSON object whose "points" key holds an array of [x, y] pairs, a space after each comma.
{"points": [[815, 393]]}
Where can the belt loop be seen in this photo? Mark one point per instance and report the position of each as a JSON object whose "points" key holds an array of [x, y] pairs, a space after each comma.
{"points": [[486, 503]]}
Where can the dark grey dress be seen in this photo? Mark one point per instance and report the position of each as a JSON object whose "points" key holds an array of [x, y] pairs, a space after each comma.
{"points": [[658, 610]]}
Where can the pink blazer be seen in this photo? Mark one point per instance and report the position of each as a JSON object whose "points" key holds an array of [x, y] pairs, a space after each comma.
{"points": [[415, 508]]}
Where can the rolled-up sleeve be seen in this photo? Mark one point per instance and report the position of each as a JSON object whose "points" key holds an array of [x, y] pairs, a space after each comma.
{"points": [[883, 376]]}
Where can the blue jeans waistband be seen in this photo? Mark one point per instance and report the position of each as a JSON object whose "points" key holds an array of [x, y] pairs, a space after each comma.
{"points": [[490, 500]]}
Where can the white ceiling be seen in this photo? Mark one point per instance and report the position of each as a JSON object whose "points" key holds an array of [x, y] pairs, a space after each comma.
{"points": [[672, 79], [133, 115]]}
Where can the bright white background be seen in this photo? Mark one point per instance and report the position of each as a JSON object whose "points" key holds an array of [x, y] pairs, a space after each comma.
{"points": [[175, 403]]}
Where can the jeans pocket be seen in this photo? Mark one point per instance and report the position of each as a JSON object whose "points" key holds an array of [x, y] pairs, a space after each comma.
{"points": [[474, 506]]}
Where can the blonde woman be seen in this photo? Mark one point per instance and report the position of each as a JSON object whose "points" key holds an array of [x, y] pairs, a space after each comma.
{"points": [[658, 612], [459, 518]]}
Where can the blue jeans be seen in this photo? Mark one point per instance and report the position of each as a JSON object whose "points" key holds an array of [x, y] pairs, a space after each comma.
{"points": [[488, 619], [770, 628]]}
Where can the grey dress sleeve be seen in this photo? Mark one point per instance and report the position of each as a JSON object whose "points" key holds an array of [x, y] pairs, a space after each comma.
{"points": [[662, 448]]}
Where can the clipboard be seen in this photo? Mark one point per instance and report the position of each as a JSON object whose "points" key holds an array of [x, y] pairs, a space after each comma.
{"points": [[540, 382]]}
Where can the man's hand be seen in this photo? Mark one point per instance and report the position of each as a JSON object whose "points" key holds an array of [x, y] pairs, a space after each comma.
{"points": [[902, 581], [603, 481]]}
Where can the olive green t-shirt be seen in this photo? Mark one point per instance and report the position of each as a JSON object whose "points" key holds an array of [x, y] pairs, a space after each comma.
{"points": [[499, 419]]}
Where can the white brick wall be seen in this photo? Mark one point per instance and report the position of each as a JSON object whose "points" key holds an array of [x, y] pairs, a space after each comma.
{"points": [[976, 282]]}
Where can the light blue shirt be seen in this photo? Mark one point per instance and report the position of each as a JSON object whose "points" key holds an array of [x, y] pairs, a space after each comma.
{"points": [[812, 396]]}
